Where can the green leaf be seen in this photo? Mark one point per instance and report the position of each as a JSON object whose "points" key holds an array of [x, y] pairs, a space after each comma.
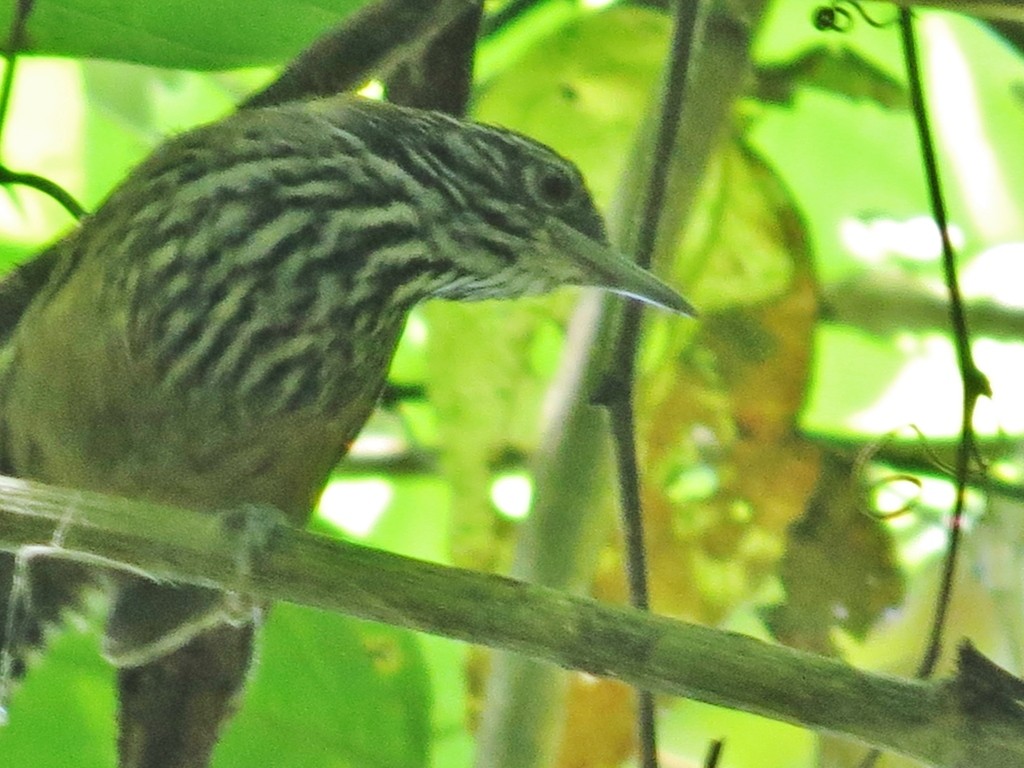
{"points": [[179, 33], [332, 691], [63, 712]]}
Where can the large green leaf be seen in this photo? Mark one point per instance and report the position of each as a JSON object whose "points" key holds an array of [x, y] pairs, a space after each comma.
{"points": [[179, 33], [332, 691], [326, 690], [63, 713]]}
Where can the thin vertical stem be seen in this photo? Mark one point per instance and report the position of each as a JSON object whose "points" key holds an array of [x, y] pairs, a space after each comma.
{"points": [[973, 380], [616, 389]]}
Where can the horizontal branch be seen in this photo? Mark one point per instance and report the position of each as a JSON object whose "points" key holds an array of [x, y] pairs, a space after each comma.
{"points": [[973, 719], [884, 303]]}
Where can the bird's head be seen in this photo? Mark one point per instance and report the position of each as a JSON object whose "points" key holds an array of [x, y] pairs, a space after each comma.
{"points": [[307, 230], [505, 216]]}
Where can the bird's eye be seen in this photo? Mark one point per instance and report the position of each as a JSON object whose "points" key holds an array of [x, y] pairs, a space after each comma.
{"points": [[552, 186]]}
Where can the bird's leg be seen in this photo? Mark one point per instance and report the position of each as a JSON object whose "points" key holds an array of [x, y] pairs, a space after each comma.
{"points": [[176, 695], [172, 708], [151, 618], [252, 529]]}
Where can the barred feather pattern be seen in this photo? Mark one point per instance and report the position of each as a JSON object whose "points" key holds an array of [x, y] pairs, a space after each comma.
{"points": [[265, 254], [238, 299]]}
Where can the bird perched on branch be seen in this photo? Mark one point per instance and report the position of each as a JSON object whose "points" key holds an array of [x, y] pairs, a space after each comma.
{"points": [[217, 333]]}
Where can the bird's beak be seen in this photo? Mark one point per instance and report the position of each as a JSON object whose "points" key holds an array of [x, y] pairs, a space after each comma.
{"points": [[602, 267]]}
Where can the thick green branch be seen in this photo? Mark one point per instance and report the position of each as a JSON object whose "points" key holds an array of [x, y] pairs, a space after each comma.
{"points": [[970, 720]]}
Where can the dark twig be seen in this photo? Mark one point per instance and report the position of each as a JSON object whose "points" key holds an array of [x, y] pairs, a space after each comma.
{"points": [[14, 44], [616, 389], [975, 384], [623, 429], [14, 41], [369, 43], [714, 754], [836, 18], [507, 14], [46, 186], [438, 74]]}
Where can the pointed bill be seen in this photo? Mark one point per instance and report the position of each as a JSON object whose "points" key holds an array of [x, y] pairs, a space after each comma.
{"points": [[602, 267]]}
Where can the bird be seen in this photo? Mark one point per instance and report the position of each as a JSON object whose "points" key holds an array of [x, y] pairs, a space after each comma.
{"points": [[218, 331]]}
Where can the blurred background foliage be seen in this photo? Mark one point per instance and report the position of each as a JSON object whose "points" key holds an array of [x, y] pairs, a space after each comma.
{"points": [[818, 387]]}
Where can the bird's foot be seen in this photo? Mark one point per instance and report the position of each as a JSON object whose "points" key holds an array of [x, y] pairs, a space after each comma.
{"points": [[252, 529], [150, 619]]}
